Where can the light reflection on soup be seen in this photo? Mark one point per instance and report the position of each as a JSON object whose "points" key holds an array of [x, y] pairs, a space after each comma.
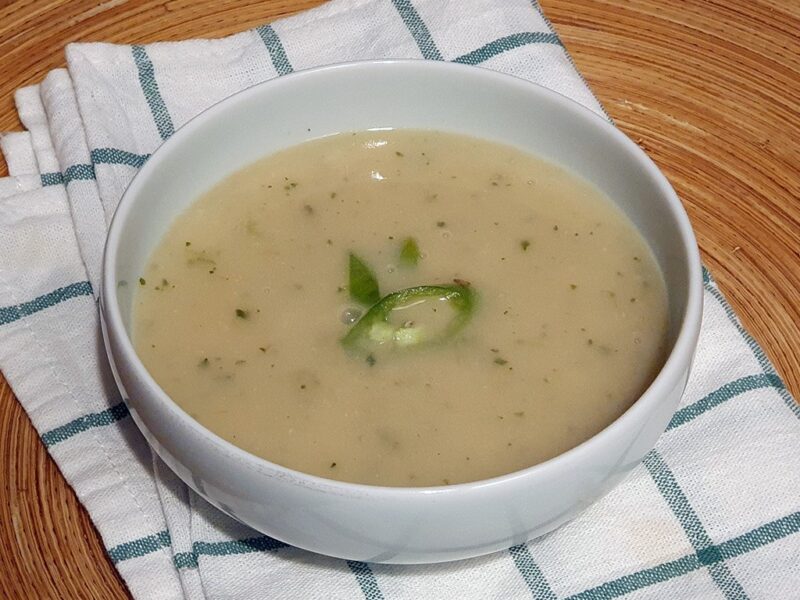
{"points": [[555, 322]]}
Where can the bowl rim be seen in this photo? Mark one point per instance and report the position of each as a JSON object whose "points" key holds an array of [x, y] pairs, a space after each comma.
{"points": [[674, 367]]}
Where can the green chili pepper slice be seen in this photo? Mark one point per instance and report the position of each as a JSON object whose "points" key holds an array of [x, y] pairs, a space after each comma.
{"points": [[374, 329]]}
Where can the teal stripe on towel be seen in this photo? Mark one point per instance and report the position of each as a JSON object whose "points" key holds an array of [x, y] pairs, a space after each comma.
{"points": [[115, 156], [85, 172], [90, 421], [190, 560], [707, 553], [185, 560], [419, 31], [80, 172], [256, 544], [277, 53], [641, 579], [141, 547], [531, 573], [9, 314], [760, 536], [723, 394], [505, 44], [51, 179], [366, 580], [149, 85]]}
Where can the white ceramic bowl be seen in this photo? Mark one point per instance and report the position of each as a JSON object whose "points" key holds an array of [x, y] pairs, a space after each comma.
{"points": [[381, 524]]}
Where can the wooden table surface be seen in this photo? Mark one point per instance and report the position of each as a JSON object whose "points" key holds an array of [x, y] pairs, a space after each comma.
{"points": [[708, 88]]}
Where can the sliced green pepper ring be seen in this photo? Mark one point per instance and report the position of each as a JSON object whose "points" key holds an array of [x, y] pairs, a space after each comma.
{"points": [[373, 329]]}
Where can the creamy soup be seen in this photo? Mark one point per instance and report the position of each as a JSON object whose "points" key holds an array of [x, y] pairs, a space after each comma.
{"points": [[402, 308]]}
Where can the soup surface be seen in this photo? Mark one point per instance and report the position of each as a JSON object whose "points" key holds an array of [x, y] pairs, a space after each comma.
{"points": [[548, 321]]}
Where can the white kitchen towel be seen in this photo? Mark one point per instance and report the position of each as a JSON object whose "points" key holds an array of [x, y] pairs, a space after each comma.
{"points": [[713, 512]]}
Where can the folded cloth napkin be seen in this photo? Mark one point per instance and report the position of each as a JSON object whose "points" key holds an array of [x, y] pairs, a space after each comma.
{"points": [[714, 510]]}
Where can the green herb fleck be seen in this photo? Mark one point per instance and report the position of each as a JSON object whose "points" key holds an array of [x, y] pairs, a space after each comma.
{"points": [[400, 154], [242, 314], [371, 360], [308, 209], [142, 281], [363, 283], [333, 464], [500, 361], [520, 413], [262, 348], [188, 244], [203, 363], [122, 283], [409, 253], [572, 286], [440, 224], [524, 244]]}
